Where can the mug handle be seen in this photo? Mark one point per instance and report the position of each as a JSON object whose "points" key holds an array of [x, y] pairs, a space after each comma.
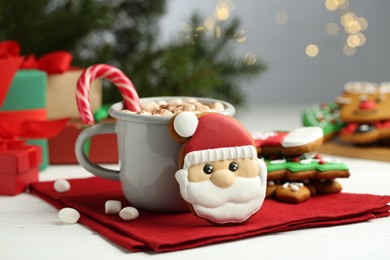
{"points": [[83, 159]]}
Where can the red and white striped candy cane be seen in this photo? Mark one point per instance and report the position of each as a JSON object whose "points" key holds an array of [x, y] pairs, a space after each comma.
{"points": [[117, 77]]}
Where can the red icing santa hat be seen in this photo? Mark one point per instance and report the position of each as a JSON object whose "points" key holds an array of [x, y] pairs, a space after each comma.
{"points": [[213, 137]]}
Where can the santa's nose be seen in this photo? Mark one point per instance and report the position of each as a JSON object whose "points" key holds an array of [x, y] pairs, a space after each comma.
{"points": [[367, 105], [223, 178]]}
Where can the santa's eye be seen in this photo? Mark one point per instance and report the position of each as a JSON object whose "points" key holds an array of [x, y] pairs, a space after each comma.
{"points": [[208, 169], [380, 98], [233, 166]]}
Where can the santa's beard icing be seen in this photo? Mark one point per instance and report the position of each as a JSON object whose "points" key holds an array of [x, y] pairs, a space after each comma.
{"points": [[234, 204]]}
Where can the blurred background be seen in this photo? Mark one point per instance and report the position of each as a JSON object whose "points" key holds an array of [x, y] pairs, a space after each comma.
{"points": [[246, 52], [311, 48], [266, 57]]}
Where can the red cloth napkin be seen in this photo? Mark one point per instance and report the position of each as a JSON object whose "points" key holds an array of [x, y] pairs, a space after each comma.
{"points": [[170, 232]]}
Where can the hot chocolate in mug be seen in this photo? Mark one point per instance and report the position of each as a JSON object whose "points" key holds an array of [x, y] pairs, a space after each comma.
{"points": [[148, 156]]}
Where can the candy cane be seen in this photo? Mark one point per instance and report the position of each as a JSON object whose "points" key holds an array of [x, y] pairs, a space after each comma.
{"points": [[117, 77]]}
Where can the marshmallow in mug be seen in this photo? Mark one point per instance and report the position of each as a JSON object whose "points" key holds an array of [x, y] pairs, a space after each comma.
{"points": [[174, 106]]}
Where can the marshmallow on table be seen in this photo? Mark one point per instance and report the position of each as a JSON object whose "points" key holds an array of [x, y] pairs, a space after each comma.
{"points": [[69, 215], [61, 186], [113, 207], [129, 213]]}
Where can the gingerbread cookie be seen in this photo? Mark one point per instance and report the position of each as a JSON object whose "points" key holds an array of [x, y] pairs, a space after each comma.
{"points": [[327, 186], [325, 116], [305, 167], [221, 177], [295, 142], [365, 109], [292, 192], [361, 115], [296, 179]]}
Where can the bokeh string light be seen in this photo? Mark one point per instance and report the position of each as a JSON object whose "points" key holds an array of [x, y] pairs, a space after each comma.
{"points": [[353, 25], [348, 21], [311, 50], [212, 27], [281, 18], [221, 13]]}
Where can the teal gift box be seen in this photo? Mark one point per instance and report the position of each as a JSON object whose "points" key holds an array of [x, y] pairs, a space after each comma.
{"points": [[26, 100]]}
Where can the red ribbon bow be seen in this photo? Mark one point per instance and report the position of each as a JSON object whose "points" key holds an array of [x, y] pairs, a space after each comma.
{"points": [[9, 49], [53, 62], [11, 129], [10, 132], [11, 144]]}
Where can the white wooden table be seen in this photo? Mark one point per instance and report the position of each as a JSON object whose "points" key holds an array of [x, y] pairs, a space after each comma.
{"points": [[30, 228]]}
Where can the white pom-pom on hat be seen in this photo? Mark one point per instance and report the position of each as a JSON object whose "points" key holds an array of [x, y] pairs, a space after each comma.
{"points": [[185, 124]]}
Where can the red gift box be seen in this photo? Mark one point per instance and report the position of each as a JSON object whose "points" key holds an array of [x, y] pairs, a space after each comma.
{"points": [[104, 148], [19, 167], [18, 118], [61, 147], [101, 149]]}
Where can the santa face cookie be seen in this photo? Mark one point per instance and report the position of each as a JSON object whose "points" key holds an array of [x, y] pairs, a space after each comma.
{"points": [[221, 177]]}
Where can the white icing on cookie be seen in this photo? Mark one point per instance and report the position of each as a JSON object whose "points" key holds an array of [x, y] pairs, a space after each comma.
{"points": [[263, 135], [278, 161], [305, 161], [294, 186], [240, 201], [302, 136], [234, 204], [343, 100], [361, 87], [384, 87], [331, 160], [185, 124]]}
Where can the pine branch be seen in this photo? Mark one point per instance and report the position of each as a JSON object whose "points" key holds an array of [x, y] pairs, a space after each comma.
{"points": [[124, 33]]}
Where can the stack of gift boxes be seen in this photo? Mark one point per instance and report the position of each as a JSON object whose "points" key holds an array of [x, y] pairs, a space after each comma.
{"points": [[39, 120]]}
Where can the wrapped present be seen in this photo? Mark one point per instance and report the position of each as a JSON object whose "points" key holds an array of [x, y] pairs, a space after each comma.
{"points": [[19, 166], [26, 100], [27, 92], [103, 148], [23, 87], [61, 147], [61, 91], [100, 148]]}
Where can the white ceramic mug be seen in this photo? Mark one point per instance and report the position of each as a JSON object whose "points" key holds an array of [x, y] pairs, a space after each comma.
{"points": [[148, 156]]}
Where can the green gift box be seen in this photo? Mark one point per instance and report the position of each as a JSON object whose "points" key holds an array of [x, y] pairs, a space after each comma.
{"points": [[26, 100], [27, 91]]}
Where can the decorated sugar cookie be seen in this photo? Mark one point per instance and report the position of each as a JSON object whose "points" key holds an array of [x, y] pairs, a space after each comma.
{"points": [[361, 115], [220, 176], [295, 142], [306, 166], [296, 179], [365, 108], [325, 116], [294, 171]]}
